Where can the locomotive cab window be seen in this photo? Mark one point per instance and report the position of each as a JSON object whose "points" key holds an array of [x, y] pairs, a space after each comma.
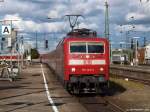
{"points": [[86, 47], [77, 47], [95, 47]]}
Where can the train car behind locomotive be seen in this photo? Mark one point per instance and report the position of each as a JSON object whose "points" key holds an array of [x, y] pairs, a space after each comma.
{"points": [[82, 61]]}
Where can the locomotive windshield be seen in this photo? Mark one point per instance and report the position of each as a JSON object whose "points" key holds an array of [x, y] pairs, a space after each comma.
{"points": [[78, 47], [95, 48], [86, 47]]}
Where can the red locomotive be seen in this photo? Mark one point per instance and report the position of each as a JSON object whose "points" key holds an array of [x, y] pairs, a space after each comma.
{"points": [[81, 60]]}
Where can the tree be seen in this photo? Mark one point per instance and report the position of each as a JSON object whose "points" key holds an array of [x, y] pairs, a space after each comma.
{"points": [[34, 54]]}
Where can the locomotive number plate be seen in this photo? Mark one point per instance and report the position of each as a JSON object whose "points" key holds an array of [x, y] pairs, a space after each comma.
{"points": [[87, 62]]}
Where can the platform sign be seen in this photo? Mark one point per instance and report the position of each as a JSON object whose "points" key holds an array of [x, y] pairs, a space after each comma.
{"points": [[6, 30]]}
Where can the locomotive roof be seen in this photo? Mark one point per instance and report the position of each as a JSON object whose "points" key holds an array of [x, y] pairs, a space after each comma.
{"points": [[81, 33], [84, 39]]}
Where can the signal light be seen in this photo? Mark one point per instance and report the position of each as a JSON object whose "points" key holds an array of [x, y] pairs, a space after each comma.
{"points": [[2, 47], [17, 47], [3, 39], [46, 43], [132, 44]]}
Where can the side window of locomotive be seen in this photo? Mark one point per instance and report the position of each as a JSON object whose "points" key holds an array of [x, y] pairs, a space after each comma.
{"points": [[77, 47], [95, 47]]}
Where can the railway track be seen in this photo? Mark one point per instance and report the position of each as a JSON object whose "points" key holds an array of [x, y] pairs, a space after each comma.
{"points": [[137, 74], [146, 82], [99, 104], [135, 79], [95, 103]]}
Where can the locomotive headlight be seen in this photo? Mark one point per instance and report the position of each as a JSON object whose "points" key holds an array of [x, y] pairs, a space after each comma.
{"points": [[101, 69], [87, 56], [73, 69]]}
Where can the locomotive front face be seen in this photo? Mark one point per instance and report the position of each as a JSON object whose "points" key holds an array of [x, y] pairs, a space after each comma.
{"points": [[87, 58], [81, 61]]}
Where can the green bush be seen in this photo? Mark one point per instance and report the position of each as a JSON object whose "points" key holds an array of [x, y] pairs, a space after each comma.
{"points": [[34, 54]]}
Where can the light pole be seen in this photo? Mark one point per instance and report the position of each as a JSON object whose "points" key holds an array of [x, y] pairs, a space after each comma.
{"points": [[136, 50], [106, 32], [22, 42], [122, 32], [128, 34], [122, 53], [106, 19], [36, 41]]}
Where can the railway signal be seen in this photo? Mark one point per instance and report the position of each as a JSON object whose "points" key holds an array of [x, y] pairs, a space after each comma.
{"points": [[17, 47], [137, 44], [2, 46], [106, 19], [46, 44], [132, 44], [3, 39], [144, 41], [36, 40]]}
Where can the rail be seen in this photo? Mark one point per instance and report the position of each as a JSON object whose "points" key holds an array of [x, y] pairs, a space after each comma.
{"points": [[138, 74], [96, 103]]}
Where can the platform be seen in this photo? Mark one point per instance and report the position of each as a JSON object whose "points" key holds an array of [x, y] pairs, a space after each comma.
{"points": [[30, 93]]}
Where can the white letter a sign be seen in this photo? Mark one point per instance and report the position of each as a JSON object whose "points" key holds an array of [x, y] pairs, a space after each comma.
{"points": [[6, 30]]}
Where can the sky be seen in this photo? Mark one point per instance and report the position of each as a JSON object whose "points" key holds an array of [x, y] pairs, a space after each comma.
{"points": [[31, 16]]}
